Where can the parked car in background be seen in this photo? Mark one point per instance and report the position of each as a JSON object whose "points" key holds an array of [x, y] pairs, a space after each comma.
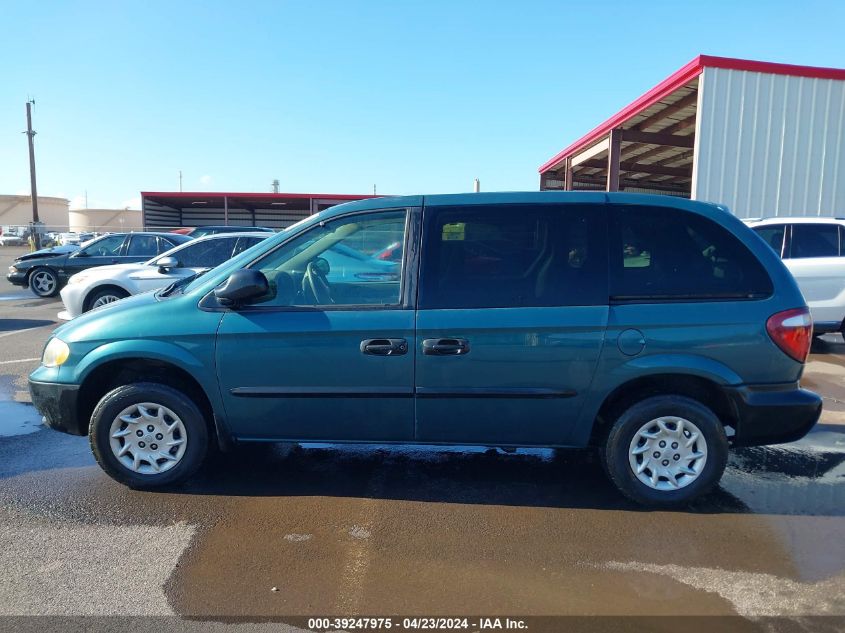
{"points": [[99, 286], [347, 264], [201, 231], [68, 238], [45, 275], [551, 319], [47, 252], [813, 250], [12, 239]]}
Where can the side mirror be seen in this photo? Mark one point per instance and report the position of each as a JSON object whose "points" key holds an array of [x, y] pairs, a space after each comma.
{"points": [[241, 286], [79, 254], [166, 263]]}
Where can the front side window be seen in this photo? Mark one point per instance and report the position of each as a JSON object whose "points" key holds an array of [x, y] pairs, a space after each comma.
{"points": [[334, 264], [245, 243], [106, 247], [814, 240], [513, 256], [668, 254]]}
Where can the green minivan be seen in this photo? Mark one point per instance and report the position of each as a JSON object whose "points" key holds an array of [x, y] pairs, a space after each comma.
{"points": [[657, 330]]}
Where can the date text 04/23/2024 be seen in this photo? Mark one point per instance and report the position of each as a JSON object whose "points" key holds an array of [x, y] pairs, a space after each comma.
{"points": [[417, 623]]}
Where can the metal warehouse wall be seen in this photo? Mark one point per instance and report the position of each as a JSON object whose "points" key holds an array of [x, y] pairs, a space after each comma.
{"points": [[769, 144]]}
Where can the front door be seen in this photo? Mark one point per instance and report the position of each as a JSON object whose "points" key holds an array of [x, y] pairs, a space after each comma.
{"points": [[511, 317], [328, 353]]}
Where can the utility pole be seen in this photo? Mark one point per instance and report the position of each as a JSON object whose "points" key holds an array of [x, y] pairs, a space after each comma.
{"points": [[30, 134], [180, 180]]}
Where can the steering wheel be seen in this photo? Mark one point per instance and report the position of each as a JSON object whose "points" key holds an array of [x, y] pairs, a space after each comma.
{"points": [[314, 282]]}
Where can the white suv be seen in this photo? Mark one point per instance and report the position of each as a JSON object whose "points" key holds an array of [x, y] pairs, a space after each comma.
{"points": [[813, 250]]}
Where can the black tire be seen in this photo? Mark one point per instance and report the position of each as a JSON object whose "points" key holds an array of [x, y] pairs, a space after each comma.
{"points": [[44, 282], [104, 293], [615, 453], [116, 401]]}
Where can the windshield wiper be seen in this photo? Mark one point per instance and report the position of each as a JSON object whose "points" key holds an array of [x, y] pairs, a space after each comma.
{"points": [[181, 283]]}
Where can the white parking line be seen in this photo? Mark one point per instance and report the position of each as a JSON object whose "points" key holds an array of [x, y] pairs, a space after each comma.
{"points": [[20, 360], [29, 329]]}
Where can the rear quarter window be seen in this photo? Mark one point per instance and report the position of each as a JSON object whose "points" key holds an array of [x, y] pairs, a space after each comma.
{"points": [[668, 254], [814, 240]]}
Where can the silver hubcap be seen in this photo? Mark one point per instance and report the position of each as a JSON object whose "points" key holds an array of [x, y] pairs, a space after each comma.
{"points": [[104, 299], [668, 453], [43, 282], [148, 438]]}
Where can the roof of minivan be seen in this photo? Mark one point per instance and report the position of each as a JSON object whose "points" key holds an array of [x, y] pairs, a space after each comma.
{"points": [[525, 197], [785, 219]]}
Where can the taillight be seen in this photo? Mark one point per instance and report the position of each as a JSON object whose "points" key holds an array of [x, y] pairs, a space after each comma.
{"points": [[792, 331]]}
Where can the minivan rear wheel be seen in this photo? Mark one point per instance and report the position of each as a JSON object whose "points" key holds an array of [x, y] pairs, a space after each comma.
{"points": [[148, 435], [665, 451]]}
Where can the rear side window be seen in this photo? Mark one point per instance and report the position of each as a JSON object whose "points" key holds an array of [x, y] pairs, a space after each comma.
{"points": [[668, 254], [772, 235], [503, 256], [814, 240], [143, 246]]}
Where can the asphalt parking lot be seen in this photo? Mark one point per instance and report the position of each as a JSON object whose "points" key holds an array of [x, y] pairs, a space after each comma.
{"points": [[323, 529]]}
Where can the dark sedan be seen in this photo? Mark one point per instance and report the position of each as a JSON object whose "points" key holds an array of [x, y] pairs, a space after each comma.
{"points": [[46, 271]]}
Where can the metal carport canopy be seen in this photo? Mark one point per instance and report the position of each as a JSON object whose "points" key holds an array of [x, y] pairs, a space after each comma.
{"points": [[173, 209], [649, 146]]}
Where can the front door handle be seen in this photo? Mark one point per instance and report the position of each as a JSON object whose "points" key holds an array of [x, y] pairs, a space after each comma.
{"points": [[384, 346], [445, 346]]}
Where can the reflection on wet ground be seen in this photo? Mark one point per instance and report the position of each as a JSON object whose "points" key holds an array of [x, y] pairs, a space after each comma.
{"points": [[380, 529]]}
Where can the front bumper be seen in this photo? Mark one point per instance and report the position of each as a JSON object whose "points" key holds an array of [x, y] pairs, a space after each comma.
{"points": [[72, 296], [57, 403], [18, 278], [773, 414]]}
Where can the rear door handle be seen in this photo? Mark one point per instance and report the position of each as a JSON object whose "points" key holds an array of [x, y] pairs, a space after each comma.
{"points": [[384, 346], [445, 346]]}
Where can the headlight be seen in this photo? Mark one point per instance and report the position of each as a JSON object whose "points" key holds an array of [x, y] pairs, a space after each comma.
{"points": [[55, 353], [12, 269], [75, 279]]}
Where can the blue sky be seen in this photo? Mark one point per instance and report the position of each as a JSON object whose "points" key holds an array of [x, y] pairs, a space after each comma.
{"points": [[334, 97]]}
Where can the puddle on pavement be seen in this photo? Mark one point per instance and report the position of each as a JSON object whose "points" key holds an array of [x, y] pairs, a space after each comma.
{"points": [[16, 418]]}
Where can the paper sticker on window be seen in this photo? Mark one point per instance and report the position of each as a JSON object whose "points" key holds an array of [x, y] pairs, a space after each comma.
{"points": [[454, 231]]}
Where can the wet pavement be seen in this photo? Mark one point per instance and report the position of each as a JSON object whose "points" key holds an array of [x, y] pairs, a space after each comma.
{"points": [[411, 530]]}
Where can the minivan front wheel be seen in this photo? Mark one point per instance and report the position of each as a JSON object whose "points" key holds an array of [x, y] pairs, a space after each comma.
{"points": [[665, 451], [148, 435]]}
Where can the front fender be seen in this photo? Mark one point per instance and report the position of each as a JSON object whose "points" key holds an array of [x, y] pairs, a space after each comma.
{"points": [[201, 368], [150, 349]]}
